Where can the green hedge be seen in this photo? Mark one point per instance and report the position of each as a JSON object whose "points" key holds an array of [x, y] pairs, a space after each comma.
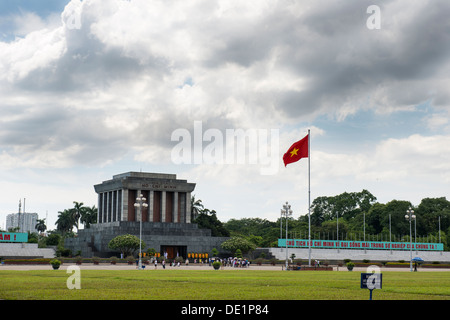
{"points": [[91, 260], [27, 261]]}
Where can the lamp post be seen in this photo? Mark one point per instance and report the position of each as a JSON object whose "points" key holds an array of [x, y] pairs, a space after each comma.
{"points": [[410, 216], [139, 204], [286, 211], [281, 225]]}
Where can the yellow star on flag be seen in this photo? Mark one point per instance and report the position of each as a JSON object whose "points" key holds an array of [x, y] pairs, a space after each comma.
{"points": [[294, 152]]}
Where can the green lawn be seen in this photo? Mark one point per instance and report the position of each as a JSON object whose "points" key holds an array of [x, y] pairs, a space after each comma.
{"points": [[220, 285]]}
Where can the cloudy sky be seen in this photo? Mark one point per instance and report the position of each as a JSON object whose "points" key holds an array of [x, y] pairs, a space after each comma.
{"points": [[94, 88]]}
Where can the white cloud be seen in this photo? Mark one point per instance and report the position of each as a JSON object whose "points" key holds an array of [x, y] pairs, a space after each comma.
{"points": [[38, 50]]}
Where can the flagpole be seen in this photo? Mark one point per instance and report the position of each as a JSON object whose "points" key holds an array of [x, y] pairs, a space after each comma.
{"points": [[309, 199]]}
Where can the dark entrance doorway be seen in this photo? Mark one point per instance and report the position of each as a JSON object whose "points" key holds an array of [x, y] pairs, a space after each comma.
{"points": [[171, 252]]}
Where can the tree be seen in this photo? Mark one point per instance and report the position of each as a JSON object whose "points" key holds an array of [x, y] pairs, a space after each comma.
{"points": [[77, 212], [208, 220], [320, 211], [53, 239], [40, 225], [397, 210], [428, 213], [345, 205], [69, 218], [235, 243], [126, 244], [88, 216], [33, 237], [250, 226], [65, 221], [196, 207], [374, 219]]}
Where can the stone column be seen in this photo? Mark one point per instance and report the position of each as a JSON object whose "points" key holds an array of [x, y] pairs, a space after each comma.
{"points": [[150, 205], [175, 207], [120, 204], [100, 207], [188, 207], [114, 205], [105, 207], [117, 204], [124, 204], [163, 206], [108, 206]]}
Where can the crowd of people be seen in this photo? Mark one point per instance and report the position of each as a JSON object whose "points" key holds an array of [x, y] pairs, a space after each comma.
{"points": [[233, 262]]}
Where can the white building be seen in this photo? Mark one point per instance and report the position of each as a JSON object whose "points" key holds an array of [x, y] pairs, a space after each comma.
{"points": [[28, 221]]}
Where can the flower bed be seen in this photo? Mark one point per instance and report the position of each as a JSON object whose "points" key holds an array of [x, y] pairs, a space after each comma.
{"points": [[446, 265], [27, 261], [367, 264], [307, 268], [397, 265]]}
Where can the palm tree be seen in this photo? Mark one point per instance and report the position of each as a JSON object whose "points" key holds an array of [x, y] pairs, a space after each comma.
{"points": [[40, 225], [77, 212], [196, 207], [65, 221], [88, 216]]}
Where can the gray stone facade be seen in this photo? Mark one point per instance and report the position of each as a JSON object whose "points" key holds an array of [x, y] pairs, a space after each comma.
{"points": [[182, 237], [166, 223], [168, 198]]}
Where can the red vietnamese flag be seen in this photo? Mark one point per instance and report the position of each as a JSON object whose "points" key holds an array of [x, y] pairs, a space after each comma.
{"points": [[297, 151]]}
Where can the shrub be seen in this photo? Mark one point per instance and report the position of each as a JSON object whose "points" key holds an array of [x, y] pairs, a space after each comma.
{"points": [[79, 259], [151, 252], [350, 266], [237, 243], [55, 263], [131, 259], [126, 244], [216, 265], [63, 252], [96, 260], [179, 259]]}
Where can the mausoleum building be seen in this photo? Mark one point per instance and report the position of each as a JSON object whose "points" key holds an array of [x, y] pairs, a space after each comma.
{"points": [[166, 221]]}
